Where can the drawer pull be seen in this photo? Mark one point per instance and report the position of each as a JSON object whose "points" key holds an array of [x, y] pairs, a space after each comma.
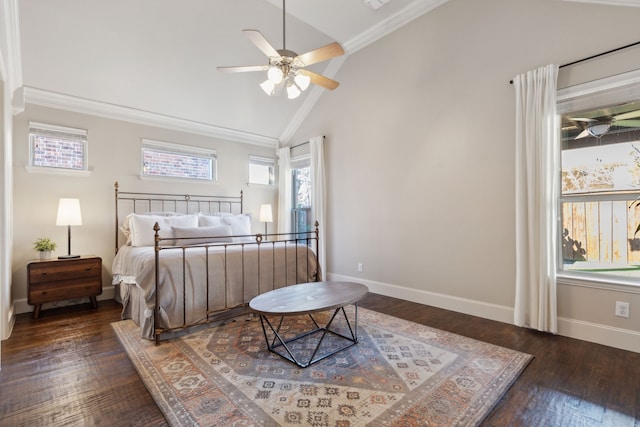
{"points": [[44, 273], [88, 269]]}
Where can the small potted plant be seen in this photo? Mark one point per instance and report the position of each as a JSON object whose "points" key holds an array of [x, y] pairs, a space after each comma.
{"points": [[44, 245]]}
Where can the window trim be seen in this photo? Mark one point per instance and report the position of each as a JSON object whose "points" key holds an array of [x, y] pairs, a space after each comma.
{"points": [[618, 88], [173, 148], [70, 133]]}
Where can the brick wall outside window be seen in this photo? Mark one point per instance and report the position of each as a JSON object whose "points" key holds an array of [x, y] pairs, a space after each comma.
{"points": [[57, 147], [163, 159], [157, 163], [54, 152]]}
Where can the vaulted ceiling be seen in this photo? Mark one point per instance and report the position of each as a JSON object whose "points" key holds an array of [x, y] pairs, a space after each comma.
{"points": [[154, 61]]}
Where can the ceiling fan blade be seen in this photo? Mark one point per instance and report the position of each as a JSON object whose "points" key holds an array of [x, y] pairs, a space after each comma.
{"points": [[261, 43], [583, 134], [625, 116], [320, 80], [243, 69], [321, 54], [582, 119], [627, 123]]}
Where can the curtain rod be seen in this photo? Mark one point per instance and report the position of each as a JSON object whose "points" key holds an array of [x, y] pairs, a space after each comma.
{"points": [[303, 143], [595, 56]]}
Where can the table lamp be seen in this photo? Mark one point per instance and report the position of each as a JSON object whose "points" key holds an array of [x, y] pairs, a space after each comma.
{"points": [[266, 216], [69, 214]]}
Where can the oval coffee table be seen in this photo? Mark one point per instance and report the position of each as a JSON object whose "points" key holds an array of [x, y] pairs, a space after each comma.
{"points": [[307, 299]]}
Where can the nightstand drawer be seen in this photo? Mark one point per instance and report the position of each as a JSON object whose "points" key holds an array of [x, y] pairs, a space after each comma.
{"points": [[44, 272], [56, 291]]}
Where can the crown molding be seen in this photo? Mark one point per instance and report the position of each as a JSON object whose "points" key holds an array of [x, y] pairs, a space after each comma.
{"points": [[389, 25], [629, 3], [117, 112], [12, 64]]}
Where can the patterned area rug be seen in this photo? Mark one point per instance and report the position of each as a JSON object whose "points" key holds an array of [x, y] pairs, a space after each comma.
{"points": [[400, 373]]}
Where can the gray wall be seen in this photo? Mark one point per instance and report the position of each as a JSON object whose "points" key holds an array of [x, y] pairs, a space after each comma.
{"points": [[420, 154], [114, 155]]}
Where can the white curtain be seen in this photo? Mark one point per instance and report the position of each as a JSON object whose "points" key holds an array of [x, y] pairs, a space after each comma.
{"points": [[316, 146], [284, 190], [537, 182]]}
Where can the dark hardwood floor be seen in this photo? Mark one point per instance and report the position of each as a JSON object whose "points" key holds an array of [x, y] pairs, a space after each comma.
{"points": [[68, 368]]}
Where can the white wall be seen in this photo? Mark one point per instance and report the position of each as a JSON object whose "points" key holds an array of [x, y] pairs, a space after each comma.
{"points": [[114, 155], [420, 155]]}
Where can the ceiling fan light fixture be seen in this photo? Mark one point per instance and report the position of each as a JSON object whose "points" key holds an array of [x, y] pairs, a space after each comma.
{"points": [[302, 80], [268, 87], [599, 129], [275, 75], [286, 68], [292, 90]]}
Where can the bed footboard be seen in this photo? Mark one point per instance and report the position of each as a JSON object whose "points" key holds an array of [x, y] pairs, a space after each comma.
{"points": [[212, 282]]}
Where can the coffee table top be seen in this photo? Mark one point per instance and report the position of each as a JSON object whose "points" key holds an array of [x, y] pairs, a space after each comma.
{"points": [[308, 298]]}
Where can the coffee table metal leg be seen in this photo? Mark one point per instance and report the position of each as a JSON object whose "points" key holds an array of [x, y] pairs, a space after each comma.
{"points": [[279, 341]]}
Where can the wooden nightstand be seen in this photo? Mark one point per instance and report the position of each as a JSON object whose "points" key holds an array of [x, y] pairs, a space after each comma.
{"points": [[61, 279]]}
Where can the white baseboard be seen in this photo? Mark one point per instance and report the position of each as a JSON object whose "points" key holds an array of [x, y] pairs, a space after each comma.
{"points": [[624, 339], [21, 305]]}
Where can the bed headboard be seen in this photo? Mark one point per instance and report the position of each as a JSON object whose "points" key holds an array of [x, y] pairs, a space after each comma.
{"points": [[127, 202]]}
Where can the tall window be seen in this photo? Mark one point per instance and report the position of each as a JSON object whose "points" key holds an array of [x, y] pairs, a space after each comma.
{"points": [[600, 181], [163, 159], [301, 204], [57, 147]]}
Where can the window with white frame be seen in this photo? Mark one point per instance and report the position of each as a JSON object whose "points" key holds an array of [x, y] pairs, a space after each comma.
{"points": [[53, 147], [261, 170], [301, 194], [163, 159], [600, 158]]}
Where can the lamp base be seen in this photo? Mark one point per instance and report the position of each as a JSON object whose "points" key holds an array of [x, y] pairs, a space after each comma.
{"points": [[68, 256]]}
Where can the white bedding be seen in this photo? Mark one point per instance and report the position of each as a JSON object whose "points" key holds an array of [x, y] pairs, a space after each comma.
{"points": [[234, 265]]}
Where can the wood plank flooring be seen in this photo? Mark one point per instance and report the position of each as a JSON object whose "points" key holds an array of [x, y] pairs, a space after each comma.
{"points": [[67, 368]]}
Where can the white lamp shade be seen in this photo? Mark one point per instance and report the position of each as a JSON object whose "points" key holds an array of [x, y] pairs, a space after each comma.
{"points": [[69, 212], [275, 75], [302, 80], [265, 213], [292, 91], [268, 87]]}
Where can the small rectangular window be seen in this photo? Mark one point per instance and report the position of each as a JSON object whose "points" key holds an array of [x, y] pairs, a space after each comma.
{"points": [[261, 170], [57, 147], [163, 159]]}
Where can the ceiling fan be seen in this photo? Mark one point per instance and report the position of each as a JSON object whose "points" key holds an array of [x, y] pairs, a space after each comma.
{"points": [[598, 127], [286, 68]]}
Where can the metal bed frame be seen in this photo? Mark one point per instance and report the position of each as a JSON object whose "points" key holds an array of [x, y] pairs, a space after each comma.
{"points": [[143, 202]]}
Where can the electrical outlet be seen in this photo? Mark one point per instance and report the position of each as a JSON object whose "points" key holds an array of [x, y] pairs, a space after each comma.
{"points": [[359, 267], [622, 309]]}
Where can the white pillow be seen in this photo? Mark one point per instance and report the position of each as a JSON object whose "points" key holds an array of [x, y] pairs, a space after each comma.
{"points": [[216, 234], [205, 220], [126, 224], [141, 227], [240, 226]]}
